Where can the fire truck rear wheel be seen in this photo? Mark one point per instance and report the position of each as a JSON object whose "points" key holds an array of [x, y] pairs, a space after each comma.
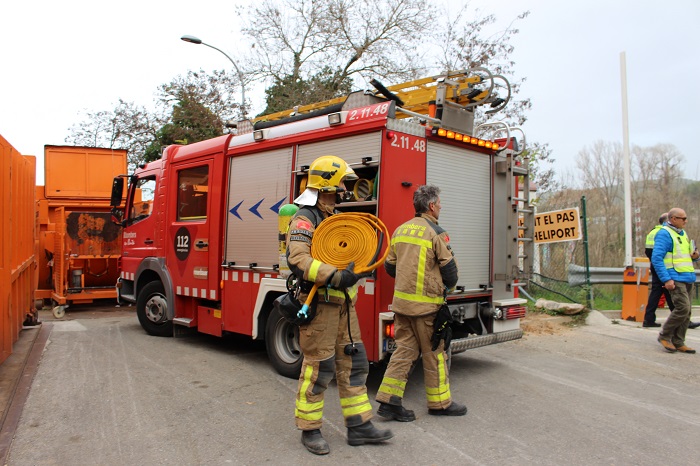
{"points": [[152, 310], [282, 343]]}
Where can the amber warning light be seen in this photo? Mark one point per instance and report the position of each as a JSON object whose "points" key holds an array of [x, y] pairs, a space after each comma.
{"points": [[466, 139]]}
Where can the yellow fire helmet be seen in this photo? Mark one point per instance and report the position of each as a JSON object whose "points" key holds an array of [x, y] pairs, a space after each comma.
{"points": [[327, 172]]}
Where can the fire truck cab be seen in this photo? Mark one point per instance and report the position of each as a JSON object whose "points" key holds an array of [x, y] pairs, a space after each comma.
{"points": [[201, 236]]}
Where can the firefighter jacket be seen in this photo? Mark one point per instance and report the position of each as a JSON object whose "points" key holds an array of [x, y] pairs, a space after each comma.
{"points": [[423, 264], [672, 256], [303, 265]]}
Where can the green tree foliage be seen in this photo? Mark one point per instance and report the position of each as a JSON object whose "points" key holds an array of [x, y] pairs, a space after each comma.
{"points": [[190, 108], [293, 91], [197, 105], [191, 121]]}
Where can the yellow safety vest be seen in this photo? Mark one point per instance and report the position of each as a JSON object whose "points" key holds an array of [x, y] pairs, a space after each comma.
{"points": [[651, 236], [679, 259]]}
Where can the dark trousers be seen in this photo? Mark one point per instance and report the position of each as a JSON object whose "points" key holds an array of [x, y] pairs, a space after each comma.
{"points": [[654, 296]]}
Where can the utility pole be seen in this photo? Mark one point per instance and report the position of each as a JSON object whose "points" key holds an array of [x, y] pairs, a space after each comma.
{"points": [[626, 163]]}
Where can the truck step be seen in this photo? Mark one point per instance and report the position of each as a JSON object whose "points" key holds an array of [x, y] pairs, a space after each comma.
{"points": [[184, 321]]}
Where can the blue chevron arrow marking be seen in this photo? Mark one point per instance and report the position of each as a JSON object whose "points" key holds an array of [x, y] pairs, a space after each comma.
{"points": [[276, 208], [234, 210], [254, 209]]}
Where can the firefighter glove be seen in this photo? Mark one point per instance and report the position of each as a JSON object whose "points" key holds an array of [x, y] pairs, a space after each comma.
{"points": [[441, 327], [343, 279]]}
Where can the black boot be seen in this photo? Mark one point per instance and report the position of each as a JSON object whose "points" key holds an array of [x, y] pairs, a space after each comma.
{"points": [[398, 413], [314, 442], [455, 409], [367, 433], [693, 325]]}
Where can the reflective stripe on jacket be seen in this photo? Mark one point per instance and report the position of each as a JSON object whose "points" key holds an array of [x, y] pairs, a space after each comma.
{"points": [[423, 264]]}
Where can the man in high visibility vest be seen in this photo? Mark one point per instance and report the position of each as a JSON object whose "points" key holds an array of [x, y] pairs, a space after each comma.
{"points": [[656, 286], [673, 257]]}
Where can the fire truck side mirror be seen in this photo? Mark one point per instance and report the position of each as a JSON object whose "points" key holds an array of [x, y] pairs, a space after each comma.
{"points": [[117, 192]]}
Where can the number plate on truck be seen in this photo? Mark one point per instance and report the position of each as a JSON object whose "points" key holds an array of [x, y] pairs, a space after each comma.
{"points": [[390, 345]]}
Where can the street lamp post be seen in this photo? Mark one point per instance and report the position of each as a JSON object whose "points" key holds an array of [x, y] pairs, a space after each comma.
{"points": [[197, 40]]}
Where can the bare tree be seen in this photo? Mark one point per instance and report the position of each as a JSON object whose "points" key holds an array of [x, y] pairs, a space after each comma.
{"points": [[600, 169], [128, 126], [657, 183], [371, 39], [460, 37]]}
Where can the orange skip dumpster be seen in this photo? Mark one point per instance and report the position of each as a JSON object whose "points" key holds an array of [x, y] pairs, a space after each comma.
{"points": [[79, 247], [17, 242]]}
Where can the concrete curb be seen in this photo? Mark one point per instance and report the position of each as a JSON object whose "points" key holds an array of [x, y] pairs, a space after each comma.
{"points": [[23, 376]]}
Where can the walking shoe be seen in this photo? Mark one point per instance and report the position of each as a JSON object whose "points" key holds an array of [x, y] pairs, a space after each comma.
{"points": [[652, 324], [367, 433], [398, 413], [686, 349], [314, 442], [455, 409], [668, 345], [694, 325]]}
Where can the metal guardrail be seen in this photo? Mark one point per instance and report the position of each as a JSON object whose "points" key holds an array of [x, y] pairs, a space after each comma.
{"points": [[600, 275]]}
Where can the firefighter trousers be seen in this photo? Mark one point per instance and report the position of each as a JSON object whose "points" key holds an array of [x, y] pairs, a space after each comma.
{"points": [[323, 343], [413, 338]]}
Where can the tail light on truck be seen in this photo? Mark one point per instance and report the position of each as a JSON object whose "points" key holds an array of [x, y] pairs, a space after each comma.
{"points": [[515, 312], [509, 313], [386, 334]]}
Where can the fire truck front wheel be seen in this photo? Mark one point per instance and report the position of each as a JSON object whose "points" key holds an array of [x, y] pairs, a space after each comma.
{"points": [[282, 343], [152, 310]]}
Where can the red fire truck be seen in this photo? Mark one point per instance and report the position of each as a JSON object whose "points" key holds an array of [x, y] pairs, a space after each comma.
{"points": [[201, 237]]}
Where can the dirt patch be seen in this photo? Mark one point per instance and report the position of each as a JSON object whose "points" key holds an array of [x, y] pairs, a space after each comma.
{"points": [[538, 323]]}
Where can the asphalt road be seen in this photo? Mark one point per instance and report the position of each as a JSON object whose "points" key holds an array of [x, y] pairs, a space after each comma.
{"points": [[106, 393]]}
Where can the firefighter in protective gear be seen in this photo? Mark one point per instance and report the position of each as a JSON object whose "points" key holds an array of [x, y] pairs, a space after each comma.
{"points": [[423, 264], [331, 342]]}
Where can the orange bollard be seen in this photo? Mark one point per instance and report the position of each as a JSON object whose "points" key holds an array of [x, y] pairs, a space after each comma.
{"points": [[635, 290]]}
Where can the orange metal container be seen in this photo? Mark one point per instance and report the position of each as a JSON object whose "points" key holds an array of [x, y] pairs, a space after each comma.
{"points": [[79, 247], [17, 244]]}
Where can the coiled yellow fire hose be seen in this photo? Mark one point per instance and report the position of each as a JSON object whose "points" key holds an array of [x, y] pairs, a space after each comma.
{"points": [[348, 237]]}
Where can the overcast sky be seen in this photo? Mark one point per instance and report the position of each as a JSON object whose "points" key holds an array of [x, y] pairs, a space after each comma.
{"points": [[61, 58]]}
